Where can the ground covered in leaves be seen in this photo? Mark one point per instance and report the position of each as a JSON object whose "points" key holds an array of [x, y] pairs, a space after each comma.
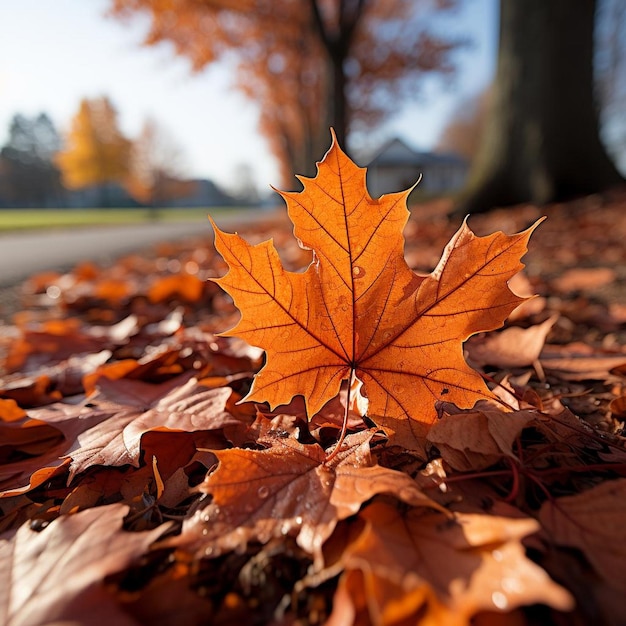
{"points": [[134, 489]]}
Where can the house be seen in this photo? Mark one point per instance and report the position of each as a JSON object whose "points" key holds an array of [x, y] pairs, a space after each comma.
{"points": [[103, 195], [200, 192], [168, 191], [396, 166]]}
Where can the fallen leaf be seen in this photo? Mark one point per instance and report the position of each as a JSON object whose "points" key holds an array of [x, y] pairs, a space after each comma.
{"points": [[184, 287], [154, 604], [112, 371], [131, 408], [532, 305], [593, 521], [365, 597], [29, 391], [10, 411], [289, 489], [584, 278], [617, 406], [57, 575], [580, 362], [358, 309], [57, 340], [65, 378], [475, 439], [512, 347], [452, 568], [113, 291], [50, 432]]}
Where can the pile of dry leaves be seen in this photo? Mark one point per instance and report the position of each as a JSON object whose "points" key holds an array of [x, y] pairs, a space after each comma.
{"points": [[135, 489]]}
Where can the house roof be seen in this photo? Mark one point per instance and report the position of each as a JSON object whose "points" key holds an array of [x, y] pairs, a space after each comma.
{"points": [[396, 153]]}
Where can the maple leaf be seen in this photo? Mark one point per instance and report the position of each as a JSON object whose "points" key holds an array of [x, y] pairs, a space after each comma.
{"points": [[358, 312], [290, 488]]}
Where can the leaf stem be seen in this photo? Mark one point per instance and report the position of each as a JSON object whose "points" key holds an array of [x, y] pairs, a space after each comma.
{"points": [[344, 426]]}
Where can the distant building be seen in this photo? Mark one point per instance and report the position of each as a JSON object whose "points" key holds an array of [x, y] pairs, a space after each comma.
{"points": [[201, 192], [105, 195], [396, 166], [170, 192]]}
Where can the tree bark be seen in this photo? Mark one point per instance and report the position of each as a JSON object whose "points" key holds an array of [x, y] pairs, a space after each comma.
{"points": [[337, 45], [541, 143]]}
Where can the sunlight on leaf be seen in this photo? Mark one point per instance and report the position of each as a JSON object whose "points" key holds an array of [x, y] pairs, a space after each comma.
{"points": [[359, 309]]}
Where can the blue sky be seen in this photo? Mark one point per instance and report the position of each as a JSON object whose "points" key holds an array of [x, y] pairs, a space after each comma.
{"points": [[53, 53]]}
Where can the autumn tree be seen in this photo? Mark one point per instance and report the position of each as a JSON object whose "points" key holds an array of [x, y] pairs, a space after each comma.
{"points": [[542, 140], [155, 166], [97, 152], [28, 174], [311, 64]]}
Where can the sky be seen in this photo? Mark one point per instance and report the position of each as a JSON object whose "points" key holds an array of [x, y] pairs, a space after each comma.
{"points": [[53, 53]]}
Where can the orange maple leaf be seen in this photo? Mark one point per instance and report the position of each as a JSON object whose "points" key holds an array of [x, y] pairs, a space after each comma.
{"points": [[358, 312]]}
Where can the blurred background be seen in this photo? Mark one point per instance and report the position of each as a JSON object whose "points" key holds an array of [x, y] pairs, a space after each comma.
{"points": [[198, 103]]}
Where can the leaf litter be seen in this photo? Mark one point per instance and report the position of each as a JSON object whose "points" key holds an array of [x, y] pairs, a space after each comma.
{"points": [[126, 450]]}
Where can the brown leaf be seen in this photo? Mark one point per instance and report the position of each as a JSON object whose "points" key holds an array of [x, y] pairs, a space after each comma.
{"points": [[168, 600], [580, 362], [584, 279], [131, 408], [29, 391], [57, 574], [359, 310], [289, 489], [512, 347], [593, 521], [520, 285], [475, 439], [422, 563], [57, 340], [49, 433], [65, 378], [366, 597]]}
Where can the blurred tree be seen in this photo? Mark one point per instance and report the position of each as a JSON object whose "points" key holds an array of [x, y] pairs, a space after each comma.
{"points": [[96, 153], [156, 163], [243, 188], [462, 133], [28, 175], [311, 64], [541, 141]]}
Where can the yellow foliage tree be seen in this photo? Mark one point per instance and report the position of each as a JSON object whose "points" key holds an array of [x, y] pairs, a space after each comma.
{"points": [[96, 151]]}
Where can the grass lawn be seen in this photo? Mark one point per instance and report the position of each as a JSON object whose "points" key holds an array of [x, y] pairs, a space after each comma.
{"points": [[19, 219]]}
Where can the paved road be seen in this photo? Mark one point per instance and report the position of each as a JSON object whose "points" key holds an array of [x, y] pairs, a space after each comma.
{"points": [[25, 253]]}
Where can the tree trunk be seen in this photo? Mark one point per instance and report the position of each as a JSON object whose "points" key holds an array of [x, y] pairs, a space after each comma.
{"points": [[338, 97], [337, 42], [541, 142]]}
